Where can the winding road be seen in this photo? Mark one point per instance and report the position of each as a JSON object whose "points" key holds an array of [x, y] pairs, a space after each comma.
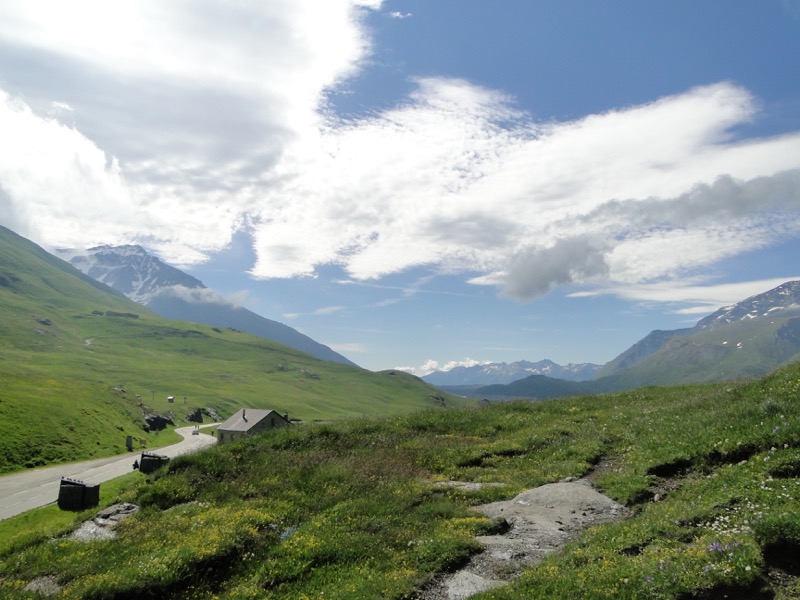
{"points": [[20, 492]]}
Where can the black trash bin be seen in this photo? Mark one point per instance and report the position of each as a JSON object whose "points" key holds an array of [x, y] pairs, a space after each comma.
{"points": [[74, 494], [151, 462]]}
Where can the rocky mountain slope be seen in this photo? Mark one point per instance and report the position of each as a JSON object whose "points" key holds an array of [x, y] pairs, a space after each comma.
{"points": [[779, 302], [173, 294]]}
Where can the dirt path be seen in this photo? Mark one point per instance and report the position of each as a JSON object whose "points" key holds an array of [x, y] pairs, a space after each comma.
{"points": [[541, 521]]}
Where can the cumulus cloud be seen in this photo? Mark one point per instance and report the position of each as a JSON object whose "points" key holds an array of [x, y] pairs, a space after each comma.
{"points": [[190, 121], [639, 241], [198, 295], [534, 271], [431, 365], [180, 111]]}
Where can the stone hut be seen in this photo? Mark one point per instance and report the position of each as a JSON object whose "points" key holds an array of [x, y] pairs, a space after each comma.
{"points": [[250, 420]]}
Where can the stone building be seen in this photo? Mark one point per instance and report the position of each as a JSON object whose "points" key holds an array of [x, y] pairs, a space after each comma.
{"points": [[250, 420]]}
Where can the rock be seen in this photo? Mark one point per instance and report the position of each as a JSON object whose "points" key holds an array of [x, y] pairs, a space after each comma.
{"points": [[196, 416], [156, 422], [46, 585], [464, 584], [116, 513], [101, 527], [542, 521]]}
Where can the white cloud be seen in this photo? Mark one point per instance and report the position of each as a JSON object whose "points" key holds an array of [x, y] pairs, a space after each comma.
{"points": [[328, 310], [349, 348], [694, 298], [190, 121], [458, 179], [196, 295], [58, 107], [431, 365], [192, 102]]}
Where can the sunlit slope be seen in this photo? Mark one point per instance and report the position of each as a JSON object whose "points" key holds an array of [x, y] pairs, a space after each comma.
{"points": [[80, 364], [745, 349]]}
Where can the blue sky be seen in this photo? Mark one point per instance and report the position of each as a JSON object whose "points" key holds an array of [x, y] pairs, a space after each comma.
{"points": [[419, 184]]}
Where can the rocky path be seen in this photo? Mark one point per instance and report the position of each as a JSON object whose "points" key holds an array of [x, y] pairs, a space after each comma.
{"points": [[540, 521]]}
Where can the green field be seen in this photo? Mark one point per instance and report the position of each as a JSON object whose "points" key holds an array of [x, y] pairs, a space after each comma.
{"points": [[711, 474]]}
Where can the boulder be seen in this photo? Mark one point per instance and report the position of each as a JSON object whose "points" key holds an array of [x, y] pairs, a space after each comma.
{"points": [[156, 422]]}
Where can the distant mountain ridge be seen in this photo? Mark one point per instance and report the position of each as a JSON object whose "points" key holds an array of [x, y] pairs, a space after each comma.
{"points": [[173, 294], [748, 339], [505, 373]]}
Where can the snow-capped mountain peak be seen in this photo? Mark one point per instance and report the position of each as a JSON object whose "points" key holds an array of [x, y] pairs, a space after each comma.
{"points": [[783, 297], [129, 269], [173, 294], [504, 373]]}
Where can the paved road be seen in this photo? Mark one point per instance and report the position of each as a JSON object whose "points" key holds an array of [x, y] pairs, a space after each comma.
{"points": [[23, 491]]}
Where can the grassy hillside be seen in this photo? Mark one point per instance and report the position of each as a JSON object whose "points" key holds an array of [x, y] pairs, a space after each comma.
{"points": [[750, 348], [80, 364], [539, 387], [351, 510]]}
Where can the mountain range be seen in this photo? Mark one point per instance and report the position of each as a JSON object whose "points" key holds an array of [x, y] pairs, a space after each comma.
{"points": [[504, 373], [745, 340], [173, 294]]}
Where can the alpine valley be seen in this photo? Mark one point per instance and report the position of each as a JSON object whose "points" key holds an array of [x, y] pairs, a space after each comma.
{"points": [[749, 339], [746, 340], [82, 367]]}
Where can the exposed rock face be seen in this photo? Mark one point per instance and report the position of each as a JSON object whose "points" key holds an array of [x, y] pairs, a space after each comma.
{"points": [[101, 527], [156, 422], [437, 399], [541, 521], [196, 416]]}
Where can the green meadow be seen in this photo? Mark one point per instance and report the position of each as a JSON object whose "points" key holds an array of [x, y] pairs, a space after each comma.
{"points": [[710, 473]]}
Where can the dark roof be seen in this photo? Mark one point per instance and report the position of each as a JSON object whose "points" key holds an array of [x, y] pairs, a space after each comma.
{"points": [[245, 418]]}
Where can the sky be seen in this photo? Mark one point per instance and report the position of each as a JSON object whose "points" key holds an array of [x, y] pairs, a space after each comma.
{"points": [[419, 184]]}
